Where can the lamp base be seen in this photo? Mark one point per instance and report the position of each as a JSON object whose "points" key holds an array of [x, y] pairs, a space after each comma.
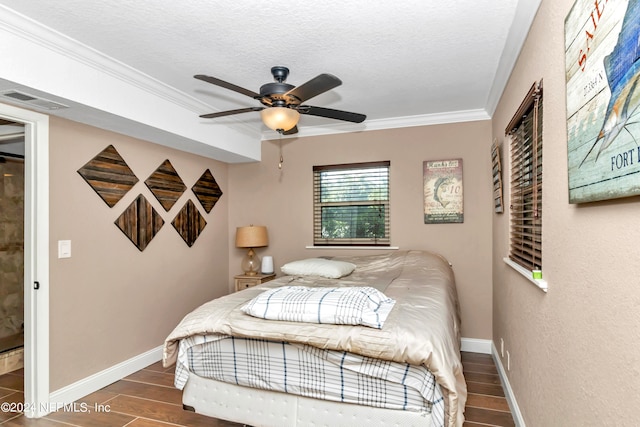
{"points": [[250, 263]]}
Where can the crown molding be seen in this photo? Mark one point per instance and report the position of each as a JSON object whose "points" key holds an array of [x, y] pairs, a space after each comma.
{"points": [[29, 29], [390, 123], [101, 83], [524, 16]]}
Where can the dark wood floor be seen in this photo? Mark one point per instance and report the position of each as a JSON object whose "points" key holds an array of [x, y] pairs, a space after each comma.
{"points": [[486, 404], [147, 398]]}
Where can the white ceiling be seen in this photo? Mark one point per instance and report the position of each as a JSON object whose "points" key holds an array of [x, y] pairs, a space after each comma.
{"points": [[402, 63]]}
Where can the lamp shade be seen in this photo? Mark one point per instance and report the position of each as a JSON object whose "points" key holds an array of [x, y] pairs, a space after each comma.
{"points": [[253, 236], [280, 118]]}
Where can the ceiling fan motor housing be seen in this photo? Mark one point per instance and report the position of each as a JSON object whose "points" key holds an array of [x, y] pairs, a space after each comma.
{"points": [[272, 94]]}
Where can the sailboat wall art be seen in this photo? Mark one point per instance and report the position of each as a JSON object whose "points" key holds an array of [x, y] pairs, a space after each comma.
{"points": [[602, 61]]}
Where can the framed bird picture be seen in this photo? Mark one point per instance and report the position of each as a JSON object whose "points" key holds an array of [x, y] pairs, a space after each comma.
{"points": [[602, 62]]}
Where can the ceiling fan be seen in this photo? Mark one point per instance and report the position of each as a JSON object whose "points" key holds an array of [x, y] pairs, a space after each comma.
{"points": [[282, 102]]}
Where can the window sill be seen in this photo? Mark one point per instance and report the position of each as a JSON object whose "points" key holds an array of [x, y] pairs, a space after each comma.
{"points": [[540, 283], [375, 248]]}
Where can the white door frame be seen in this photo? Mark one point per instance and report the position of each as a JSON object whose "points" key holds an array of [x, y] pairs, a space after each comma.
{"points": [[36, 258]]}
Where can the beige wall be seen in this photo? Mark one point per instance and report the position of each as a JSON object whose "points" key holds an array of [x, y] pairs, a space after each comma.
{"points": [[109, 301], [575, 351], [261, 194]]}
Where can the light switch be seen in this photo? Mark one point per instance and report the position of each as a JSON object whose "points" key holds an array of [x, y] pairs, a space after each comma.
{"points": [[64, 248]]}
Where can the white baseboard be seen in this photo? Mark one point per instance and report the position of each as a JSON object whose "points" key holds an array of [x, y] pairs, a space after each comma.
{"points": [[72, 392], [475, 345], [508, 391]]}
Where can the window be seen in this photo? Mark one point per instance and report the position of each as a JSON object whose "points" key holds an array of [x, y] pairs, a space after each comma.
{"points": [[351, 204], [525, 130]]}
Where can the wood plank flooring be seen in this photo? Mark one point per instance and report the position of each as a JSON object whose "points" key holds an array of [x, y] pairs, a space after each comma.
{"points": [[486, 403], [147, 398]]}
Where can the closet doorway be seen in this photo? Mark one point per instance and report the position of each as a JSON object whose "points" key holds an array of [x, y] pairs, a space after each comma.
{"points": [[33, 325]]}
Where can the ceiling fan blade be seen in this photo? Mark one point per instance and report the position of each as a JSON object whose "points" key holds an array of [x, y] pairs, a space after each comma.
{"points": [[226, 85], [230, 112], [291, 131], [331, 114], [314, 87]]}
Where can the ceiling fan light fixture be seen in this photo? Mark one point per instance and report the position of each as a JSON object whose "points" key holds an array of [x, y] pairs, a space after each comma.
{"points": [[280, 118]]}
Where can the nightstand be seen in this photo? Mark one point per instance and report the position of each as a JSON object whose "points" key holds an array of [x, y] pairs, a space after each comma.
{"points": [[244, 281]]}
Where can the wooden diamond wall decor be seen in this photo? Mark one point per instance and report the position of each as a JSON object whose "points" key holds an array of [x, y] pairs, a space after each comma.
{"points": [[109, 175], [140, 222], [166, 185], [207, 191], [189, 223]]}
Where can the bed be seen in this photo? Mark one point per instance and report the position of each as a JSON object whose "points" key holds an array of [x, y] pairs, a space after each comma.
{"points": [[261, 372]]}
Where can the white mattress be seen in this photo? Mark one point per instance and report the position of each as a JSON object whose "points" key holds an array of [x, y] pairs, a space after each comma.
{"points": [[264, 408], [311, 372]]}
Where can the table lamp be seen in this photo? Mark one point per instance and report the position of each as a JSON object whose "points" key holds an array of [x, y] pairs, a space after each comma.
{"points": [[253, 236]]}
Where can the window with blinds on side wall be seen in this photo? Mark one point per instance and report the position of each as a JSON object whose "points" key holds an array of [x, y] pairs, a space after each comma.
{"points": [[525, 131], [351, 204]]}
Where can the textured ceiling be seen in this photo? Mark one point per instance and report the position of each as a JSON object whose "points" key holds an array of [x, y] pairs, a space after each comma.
{"points": [[395, 59]]}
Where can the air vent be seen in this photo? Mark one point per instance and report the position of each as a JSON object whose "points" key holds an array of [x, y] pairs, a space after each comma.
{"points": [[20, 96], [34, 101]]}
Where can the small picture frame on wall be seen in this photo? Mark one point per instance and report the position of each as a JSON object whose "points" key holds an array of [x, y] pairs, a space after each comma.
{"points": [[497, 177], [443, 195]]}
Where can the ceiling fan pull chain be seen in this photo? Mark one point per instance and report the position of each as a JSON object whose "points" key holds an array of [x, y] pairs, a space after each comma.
{"points": [[280, 144]]}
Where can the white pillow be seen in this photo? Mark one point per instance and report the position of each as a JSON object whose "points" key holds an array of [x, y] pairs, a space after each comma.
{"points": [[365, 306], [318, 267]]}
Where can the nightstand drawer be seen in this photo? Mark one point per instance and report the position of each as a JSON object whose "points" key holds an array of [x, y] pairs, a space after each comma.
{"points": [[244, 282]]}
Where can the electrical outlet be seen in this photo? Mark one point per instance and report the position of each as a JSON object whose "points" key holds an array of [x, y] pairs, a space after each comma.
{"points": [[508, 361], [501, 347]]}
